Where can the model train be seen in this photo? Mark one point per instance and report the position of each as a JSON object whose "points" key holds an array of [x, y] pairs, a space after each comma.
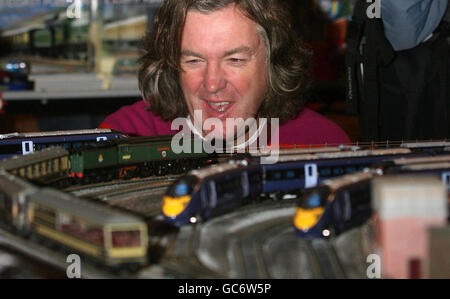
{"points": [[337, 205], [334, 206], [113, 159], [211, 191], [115, 238], [189, 197], [26, 143]]}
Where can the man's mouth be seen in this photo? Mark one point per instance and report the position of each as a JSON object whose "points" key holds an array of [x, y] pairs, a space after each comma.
{"points": [[219, 106]]}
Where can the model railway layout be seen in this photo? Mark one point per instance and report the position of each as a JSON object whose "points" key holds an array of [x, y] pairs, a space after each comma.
{"points": [[134, 206]]}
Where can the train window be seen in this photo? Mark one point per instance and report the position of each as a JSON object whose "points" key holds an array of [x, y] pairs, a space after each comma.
{"points": [[183, 187], [10, 149], [290, 174], [213, 193], [325, 171], [245, 184], [314, 198], [347, 208], [350, 170], [44, 215], [131, 238], [80, 229], [338, 171], [276, 175], [181, 190], [314, 201]]}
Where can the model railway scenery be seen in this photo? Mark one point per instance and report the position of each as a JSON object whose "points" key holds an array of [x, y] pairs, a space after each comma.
{"points": [[146, 199]]}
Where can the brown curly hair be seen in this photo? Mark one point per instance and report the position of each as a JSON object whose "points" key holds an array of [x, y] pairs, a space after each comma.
{"points": [[286, 59]]}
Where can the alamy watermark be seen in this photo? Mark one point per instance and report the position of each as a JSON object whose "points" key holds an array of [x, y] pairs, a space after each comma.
{"points": [[74, 10], [374, 267], [74, 268], [250, 136], [374, 9]]}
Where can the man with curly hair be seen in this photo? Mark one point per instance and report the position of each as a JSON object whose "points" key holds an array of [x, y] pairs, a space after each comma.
{"points": [[224, 59]]}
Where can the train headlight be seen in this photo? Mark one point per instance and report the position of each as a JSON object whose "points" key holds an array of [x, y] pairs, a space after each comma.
{"points": [[326, 233], [193, 220]]}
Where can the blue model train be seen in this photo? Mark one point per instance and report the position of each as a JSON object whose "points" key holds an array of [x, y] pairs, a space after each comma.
{"points": [[334, 206], [211, 191], [294, 172], [339, 204], [207, 192], [26, 143]]}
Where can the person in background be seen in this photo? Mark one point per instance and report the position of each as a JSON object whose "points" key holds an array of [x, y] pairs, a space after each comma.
{"points": [[228, 59], [397, 69], [407, 23]]}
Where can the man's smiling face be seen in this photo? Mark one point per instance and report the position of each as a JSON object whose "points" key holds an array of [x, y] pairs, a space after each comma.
{"points": [[223, 66]]}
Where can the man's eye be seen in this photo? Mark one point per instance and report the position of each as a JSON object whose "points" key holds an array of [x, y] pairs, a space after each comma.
{"points": [[237, 61]]}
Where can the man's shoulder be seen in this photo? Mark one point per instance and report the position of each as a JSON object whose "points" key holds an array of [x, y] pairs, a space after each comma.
{"points": [[136, 119], [310, 127]]}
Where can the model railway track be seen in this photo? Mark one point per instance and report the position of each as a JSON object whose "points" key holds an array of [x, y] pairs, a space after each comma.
{"points": [[260, 242], [181, 260], [326, 261], [128, 190], [236, 250], [93, 189], [251, 248], [146, 203]]}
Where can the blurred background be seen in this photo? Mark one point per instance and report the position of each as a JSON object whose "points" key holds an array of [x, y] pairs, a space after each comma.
{"points": [[66, 64]]}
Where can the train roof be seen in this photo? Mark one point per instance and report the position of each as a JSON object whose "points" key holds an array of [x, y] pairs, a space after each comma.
{"points": [[89, 210], [350, 154], [13, 185], [348, 180], [36, 157], [57, 133], [132, 140], [296, 151], [426, 144], [432, 159], [427, 166], [216, 169]]}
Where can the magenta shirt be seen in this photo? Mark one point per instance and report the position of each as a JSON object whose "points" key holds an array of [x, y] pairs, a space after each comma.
{"points": [[308, 128]]}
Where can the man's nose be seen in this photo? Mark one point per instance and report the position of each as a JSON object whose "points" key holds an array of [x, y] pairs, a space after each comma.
{"points": [[214, 80]]}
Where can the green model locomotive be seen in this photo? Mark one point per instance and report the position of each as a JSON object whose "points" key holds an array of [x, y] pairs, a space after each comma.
{"points": [[116, 159]]}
